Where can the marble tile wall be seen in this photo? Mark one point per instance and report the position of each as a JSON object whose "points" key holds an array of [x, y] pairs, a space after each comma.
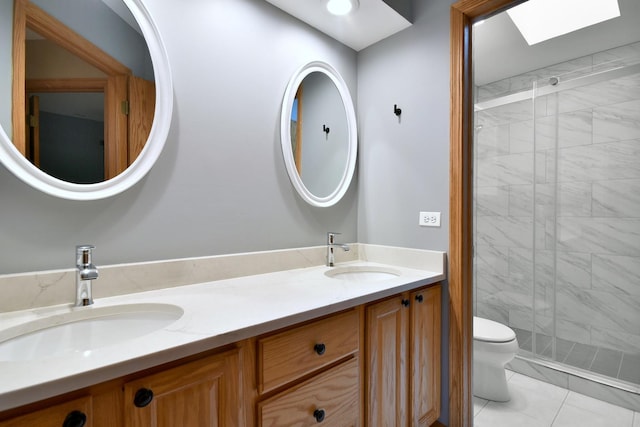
{"points": [[557, 200]]}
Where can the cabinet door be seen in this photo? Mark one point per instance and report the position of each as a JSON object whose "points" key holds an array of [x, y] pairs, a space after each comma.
{"points": [[204, 393], [75, 413], [424, 354], [387, 368]]}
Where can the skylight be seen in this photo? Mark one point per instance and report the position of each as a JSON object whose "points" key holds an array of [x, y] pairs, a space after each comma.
{"points": [[540, 20]]}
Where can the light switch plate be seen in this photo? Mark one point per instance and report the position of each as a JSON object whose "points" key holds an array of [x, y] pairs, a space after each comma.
{"points": [[429, 219]]}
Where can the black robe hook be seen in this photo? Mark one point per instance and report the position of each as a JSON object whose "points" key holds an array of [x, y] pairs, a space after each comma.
{"points": [[397, 111]]}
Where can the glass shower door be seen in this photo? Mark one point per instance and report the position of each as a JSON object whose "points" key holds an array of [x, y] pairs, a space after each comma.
{"points": [[587, 198], [557, 214]]}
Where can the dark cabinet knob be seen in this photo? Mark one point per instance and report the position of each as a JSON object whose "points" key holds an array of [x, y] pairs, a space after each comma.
{"points": [[320, 348], [319, 414], [143, 397], [405, 302], [75, 419], [419, 298]]}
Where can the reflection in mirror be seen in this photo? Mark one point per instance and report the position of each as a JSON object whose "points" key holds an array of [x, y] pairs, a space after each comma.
{"points": [[81, 61], [319, 137], [53, 53]]}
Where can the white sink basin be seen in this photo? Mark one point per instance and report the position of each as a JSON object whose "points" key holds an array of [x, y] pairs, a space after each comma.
{"points": [[362, 273], [81, 330]]}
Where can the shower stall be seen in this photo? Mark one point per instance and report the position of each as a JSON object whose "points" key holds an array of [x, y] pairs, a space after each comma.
{"points": [[557, 214]]}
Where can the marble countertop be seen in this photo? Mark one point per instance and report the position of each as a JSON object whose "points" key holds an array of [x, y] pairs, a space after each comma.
{"points": [[216, 313]]}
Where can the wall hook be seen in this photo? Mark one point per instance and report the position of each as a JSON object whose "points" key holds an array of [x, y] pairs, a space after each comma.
{"points": [[397, 111], [325, 129]]}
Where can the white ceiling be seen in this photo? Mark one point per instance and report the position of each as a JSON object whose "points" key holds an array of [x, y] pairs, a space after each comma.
{"points": [[373, 21], [500, 51]]}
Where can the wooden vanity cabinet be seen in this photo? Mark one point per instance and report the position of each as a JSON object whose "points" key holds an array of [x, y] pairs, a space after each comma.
{"points": [[310, 374], [403, 359], [204, 393]]}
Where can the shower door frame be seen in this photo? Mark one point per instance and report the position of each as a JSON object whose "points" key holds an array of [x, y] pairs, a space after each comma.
{"points": [[460, 277]]}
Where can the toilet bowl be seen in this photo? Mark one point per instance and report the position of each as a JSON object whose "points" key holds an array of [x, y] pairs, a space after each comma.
{"points": [[494, 345]]}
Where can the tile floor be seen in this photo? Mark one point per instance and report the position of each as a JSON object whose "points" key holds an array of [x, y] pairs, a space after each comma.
{"points": [[538, 404], [612, 363]]}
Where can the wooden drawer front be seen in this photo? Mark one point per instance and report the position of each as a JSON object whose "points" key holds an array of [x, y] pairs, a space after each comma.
{"points": [[55, 416], [334, 392], [292, 354]]}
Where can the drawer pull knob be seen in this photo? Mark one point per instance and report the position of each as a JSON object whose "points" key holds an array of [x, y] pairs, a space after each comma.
{"points": [[143, 397], [320, 349], [75, 419], [419, 298], [318, 414], [405, 302]]}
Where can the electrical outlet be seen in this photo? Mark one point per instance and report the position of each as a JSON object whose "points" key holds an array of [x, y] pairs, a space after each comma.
{"points": [[429, 219]]}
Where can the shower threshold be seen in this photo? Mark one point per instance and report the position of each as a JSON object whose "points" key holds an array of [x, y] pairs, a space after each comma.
{"points": [[612, 390]]}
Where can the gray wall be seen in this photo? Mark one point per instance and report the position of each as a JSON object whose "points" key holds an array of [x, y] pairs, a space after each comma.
{"points": [[404, 163], [220, 185]]}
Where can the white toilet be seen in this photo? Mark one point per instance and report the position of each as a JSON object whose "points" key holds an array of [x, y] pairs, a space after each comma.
{"points": [[494, 345]]}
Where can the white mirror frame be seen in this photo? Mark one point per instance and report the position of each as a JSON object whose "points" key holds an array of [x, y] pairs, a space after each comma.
{"points": [[285, 134], [27, 172]]}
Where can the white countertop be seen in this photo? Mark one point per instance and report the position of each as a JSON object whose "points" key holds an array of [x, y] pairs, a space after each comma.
{"points": [[215, 314]]}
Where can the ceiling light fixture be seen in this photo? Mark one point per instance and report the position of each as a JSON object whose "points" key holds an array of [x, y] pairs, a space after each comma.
{"points": [[341, 7], [540, 20]]}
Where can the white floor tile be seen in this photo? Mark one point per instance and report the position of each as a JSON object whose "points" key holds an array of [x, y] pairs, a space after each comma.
{"points": [[478, 404], [533, 403], [493, 418], [583, 411]]}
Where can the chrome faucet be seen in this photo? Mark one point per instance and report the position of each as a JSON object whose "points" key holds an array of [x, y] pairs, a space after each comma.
{"points": [[85, 273], [331, 243]]}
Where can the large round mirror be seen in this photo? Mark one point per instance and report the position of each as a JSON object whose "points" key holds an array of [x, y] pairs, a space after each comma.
{"points": [[319, 134], [89, 95]]}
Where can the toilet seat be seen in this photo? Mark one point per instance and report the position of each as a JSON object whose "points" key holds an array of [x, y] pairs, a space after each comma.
{"points": [[489, 331]]}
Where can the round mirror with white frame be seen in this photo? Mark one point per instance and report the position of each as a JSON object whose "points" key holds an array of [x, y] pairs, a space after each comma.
{"points": [[25, 169], [319, 134]]}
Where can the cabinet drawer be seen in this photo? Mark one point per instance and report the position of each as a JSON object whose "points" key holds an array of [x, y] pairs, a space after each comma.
{"points": [[329, 399], [55, 416], [291, 354]]}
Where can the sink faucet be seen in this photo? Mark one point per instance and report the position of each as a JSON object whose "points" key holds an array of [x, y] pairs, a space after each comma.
{"points": [[85, 273], [330, 245]]}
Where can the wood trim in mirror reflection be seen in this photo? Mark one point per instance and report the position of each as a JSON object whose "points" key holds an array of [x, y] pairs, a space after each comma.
{"points": [[33, 148], [142, 104], [19, 55], [49, 27], [66, 85]]}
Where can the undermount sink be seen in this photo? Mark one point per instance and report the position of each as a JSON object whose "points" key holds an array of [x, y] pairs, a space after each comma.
{"points": [[362, 273], [81, 330]]}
